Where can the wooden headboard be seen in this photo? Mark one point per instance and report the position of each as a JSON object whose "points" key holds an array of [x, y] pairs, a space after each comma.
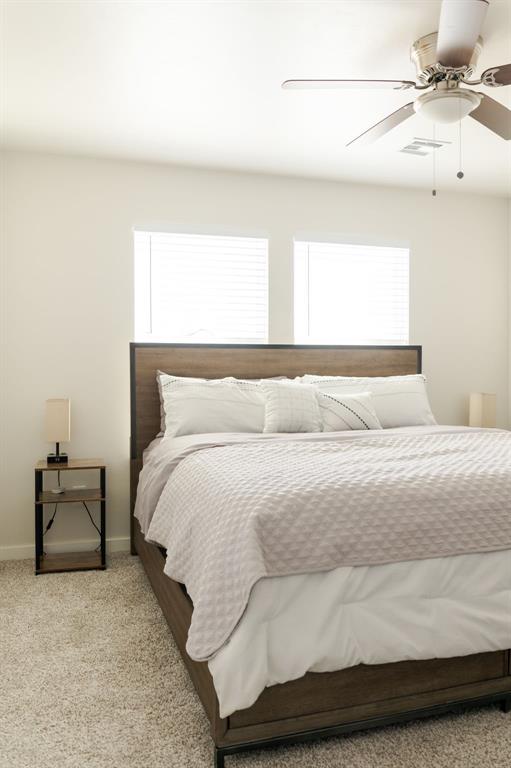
{"points": [[254, 361]]}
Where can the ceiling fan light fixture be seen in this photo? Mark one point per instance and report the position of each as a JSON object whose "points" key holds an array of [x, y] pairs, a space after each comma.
{"points": [[447, 106]]}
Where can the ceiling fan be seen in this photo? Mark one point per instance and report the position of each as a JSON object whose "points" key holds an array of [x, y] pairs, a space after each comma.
{"points": [[445, 61]]}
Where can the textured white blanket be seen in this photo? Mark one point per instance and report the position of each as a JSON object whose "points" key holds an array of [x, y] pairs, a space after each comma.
{"points": [[233, 514], [379, 614]]}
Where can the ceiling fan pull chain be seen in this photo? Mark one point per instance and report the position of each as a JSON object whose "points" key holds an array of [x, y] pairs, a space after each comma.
{"points": [[460, 173], [433, 191]]}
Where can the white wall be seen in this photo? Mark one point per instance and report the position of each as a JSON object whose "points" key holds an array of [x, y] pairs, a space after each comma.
{"points": [[509, 304], [68, 314]]}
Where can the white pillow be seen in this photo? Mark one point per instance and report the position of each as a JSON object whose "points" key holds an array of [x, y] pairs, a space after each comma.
{"points": [[340, 412], [166, 381], [163, 380], [399, 401], [223, 405], [290, 407]]}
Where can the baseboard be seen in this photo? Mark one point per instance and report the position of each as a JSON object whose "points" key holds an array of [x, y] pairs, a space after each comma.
{"points": [[23, 551]]}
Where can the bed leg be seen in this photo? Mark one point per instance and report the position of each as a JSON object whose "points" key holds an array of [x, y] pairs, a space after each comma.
{"points": [[505, 705], [219, 758]]}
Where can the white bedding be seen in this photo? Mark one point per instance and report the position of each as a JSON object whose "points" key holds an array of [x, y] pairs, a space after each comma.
{"points": [[326, 621], [322, 622]]}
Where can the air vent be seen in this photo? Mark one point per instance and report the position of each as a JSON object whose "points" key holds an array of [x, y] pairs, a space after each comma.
{"points": [[423, 147]]}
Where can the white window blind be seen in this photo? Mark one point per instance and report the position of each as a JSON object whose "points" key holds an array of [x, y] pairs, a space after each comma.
{"points": [[350, 294], [203, 288]]}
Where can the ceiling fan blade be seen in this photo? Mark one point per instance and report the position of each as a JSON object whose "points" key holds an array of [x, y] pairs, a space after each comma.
{"points": [[494, 116], [461, 22], [396, 85], [497, 76], [385, 125]]}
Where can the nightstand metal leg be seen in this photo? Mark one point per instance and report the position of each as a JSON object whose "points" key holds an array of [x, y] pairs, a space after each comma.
{"points": [[38, 535], [103, 517], [219, 758], [38, 521]]}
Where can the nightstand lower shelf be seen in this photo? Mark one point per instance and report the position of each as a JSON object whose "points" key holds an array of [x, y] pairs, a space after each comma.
{"points": [[70, 561]]}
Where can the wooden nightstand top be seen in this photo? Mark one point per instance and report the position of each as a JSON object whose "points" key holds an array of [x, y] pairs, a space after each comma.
{"points": [[71, 464]]}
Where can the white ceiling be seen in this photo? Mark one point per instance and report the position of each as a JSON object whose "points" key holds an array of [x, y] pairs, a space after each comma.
{"points": [[199, 83]]}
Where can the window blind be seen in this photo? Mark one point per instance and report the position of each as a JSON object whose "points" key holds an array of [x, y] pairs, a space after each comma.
{"points": [[350, 294], [203, 288]]}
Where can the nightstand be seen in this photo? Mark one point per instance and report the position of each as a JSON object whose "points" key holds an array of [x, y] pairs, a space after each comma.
{"points": [[70, 561]]}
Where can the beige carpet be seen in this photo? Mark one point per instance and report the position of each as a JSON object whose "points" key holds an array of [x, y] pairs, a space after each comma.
{"points": [[90, 678]]}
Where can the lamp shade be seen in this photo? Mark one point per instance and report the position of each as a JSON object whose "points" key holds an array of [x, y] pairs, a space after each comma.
{"points": [[58, 420], [483, 410]]}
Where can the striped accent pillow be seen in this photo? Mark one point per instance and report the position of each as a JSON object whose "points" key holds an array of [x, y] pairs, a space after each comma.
{"points": [[400, 401], [342, 412]]}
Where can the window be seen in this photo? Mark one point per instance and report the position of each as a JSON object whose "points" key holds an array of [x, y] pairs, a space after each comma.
{"points": [[200, 288], [350, 294]]}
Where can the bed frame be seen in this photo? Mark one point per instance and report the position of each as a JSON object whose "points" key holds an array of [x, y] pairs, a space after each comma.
{"points": [[318, 704]]}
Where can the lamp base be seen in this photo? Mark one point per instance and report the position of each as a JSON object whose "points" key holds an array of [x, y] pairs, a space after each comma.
{"points": [[56, 458]]}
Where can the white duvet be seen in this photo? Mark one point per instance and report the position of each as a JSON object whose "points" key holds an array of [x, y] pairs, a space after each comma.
{"points": [[440, 607]]}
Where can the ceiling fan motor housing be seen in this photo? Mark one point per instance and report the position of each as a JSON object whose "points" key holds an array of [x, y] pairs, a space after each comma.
{"points": [[423, 54]]}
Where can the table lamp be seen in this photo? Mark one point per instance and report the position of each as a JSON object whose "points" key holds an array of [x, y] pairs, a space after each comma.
{"points": [[58, 427], [483, 410]]}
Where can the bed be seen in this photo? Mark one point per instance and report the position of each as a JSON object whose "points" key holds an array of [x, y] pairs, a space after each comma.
{"points": [[317, 703]]}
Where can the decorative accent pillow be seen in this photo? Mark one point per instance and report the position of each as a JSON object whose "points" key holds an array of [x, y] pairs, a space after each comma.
{"points": [[290, 407], [342, 412], [399, 401], [222, 405]]}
